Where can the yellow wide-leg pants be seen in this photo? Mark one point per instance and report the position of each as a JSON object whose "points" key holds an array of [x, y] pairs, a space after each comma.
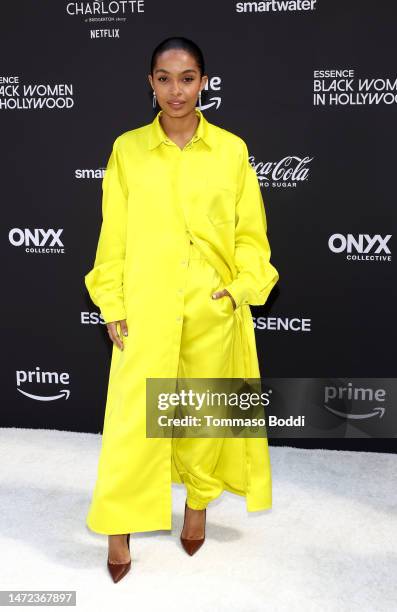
{"points": [[206, 352]]}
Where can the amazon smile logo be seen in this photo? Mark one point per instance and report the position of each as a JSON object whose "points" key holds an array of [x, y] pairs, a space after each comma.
{"points": [[355, 402], [212, 86], [39, 377]]}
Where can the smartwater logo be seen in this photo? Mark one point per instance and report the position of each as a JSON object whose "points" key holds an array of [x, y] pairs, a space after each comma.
{"points": [[37, 240], [361, 247], [276, 6], [286, 173], [350, 401], [89, 173], [44, 379]]}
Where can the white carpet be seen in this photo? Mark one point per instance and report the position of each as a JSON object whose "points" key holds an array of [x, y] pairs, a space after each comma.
{"points": [[329, 542]]}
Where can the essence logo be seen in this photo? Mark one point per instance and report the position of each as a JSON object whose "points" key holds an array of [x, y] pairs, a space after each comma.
{"points": [[364, 247], [38, 377], [287, 172], [37, 240], [338, 398], [14, 95], [341, 87], [91, 318], [294, 324]]}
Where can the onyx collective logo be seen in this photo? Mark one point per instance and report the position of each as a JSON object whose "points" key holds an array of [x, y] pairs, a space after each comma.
{"points": [[37, 240], [361, 247]]}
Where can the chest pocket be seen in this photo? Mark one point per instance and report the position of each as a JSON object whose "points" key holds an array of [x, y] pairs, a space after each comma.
{"points": [[221, 201]]}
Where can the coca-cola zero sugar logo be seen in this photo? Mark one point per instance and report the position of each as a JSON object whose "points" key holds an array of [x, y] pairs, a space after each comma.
{"points": [[285, 173]]}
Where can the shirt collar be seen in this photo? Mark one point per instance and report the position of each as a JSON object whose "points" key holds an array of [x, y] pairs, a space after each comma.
{"points": [[157, 134]]}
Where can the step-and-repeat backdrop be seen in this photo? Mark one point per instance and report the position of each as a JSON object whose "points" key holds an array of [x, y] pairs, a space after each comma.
{"points": [[310, 85]]}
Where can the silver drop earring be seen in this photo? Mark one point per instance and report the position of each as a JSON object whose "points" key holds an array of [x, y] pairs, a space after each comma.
{"points": [[200, 99], [154, 99]]}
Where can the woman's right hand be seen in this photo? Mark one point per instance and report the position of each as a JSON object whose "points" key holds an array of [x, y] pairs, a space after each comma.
{"points": [[113, 333]]}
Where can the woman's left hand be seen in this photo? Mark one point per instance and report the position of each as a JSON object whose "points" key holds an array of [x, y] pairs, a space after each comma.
{"points": [[219, 294]]}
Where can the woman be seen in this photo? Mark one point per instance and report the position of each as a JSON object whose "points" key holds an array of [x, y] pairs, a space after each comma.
{"points": [[181, 254]]}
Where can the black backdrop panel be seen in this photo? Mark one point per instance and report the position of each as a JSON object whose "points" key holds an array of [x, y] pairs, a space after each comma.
{"points": [[74, 77]]}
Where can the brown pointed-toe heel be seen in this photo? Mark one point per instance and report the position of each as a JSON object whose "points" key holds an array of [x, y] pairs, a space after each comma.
{"points": [[119, 570], [192, 545]]}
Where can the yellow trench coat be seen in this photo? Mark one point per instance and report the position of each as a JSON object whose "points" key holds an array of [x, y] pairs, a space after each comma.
{"points": [[153, 193]]}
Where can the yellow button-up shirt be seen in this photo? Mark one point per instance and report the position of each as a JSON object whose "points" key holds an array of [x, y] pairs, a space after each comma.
{"points": [[154, 191]]}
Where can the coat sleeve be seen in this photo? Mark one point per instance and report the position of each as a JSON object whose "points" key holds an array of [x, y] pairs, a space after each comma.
{"points": [[104, 281], [256, 276]]}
